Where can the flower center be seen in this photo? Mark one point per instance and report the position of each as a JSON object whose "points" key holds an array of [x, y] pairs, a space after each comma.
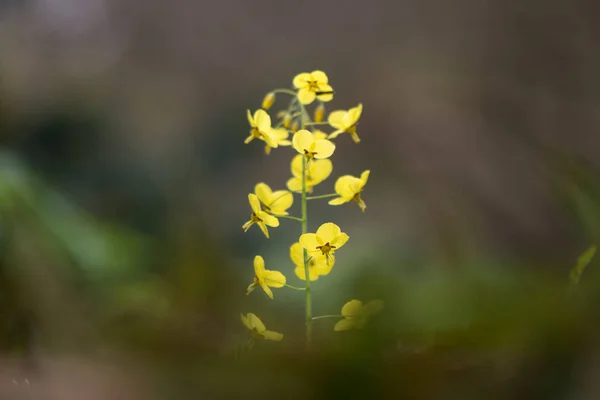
{"points": [[254, 218], [326, 248], [313, 85], [255, 132], [309, 154]]}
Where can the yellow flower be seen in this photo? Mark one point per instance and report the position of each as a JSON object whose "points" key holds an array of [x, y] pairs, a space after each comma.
{"points": [[260, 128], [313, 85], [348, 187], [326, 241], [345, 121], [276, 202], [259, 217], [318, 134], [264, 278], [305, 143], [356, 314], [258, 329], [319, 112], [279, 136], [317, 264], [268, 100], [317, 172]]}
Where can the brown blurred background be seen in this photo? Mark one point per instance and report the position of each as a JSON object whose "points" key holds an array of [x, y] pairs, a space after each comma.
{"points": [[123, 180]]}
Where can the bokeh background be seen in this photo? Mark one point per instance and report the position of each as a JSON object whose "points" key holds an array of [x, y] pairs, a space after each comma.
{"points": [[123, 184]]}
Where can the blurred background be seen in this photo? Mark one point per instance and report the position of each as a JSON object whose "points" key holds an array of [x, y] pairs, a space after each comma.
{"points": [[124, 182]]}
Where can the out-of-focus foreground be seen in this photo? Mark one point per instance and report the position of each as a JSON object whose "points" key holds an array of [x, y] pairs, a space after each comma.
{"points": [[124, 182]]}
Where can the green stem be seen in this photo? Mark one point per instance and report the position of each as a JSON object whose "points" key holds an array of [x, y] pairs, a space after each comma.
{"points": [[323, 196], [286, 91], [294, 287], [290, 217], [328, 316], [305, 253], [316, 123]]}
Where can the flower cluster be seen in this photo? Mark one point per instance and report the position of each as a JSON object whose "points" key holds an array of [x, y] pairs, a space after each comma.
{"points": [[313, 255]]}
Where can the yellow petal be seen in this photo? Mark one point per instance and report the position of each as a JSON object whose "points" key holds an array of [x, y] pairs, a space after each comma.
{"points": [[250, 118], [267, 290], [274, 279], [263, 228], [338, 201], [336, 119], [263, 120], [302, 140], [364, 177], [297, 254], [324, 148], [296, 165], [267, 149], [352, 308], [254, 203], [306, 96], [320, 170], [344, 186], [248, 139], [294, 184], [335, 134], [318, 134], [300, 272], [319, 76], [267, 137], [269, 219], [282, 200], [259, 267], [325, 93], [340, 240], [343, 325], [309, 241], [256, 323], [270, 335], [264, 193], [354, 114], [328, 232], [324, 269], [246, 322], [301, 80]]}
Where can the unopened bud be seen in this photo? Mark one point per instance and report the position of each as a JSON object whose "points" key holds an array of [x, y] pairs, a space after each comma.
{"points": [[268, 101], [320, 112], [295, 126], [287, 120]]}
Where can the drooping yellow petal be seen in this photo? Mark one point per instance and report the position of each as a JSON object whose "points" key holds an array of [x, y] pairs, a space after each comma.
{"points": [[328, 232], [270, 335], [364, 177], [306, 96], [263, 228], [340, 240], [338, 201], [250, 118], [256, 323], [352, 308], [263, 120], [302, 140], [275, 279], [336, 119], [324, 148], [266, 289], [319, 76], [354, 114], [264, 193], [310, 242], [269, 219], [254, 203], [335, 134], [259, 267], [301, 80], [343, 325], [325, 92]]}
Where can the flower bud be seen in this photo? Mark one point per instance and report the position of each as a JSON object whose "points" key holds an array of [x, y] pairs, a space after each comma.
{"points": [[295, 126], [287, 120], [268, 101], [319, 112]]}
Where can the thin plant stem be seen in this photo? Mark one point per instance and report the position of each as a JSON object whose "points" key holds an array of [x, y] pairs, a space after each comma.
{"points": [[289, 217], [328, 316], [316, 123], [305, 253], [294, 287], [323, 196], [286, 91]]}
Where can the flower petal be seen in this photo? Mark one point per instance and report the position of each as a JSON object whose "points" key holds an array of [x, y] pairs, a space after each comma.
{"points": [[301, 80], [275, 279], [263, 228], [263, 120], [319, 76], [294, 184], [246, 322], [328, 232], [340, 240], [254, 203], [338, 201], [352, 308], [270, 335], [354, 114], [282, 200], [336, 119], [344, 187], [269, 219], [309, 241], [343, 325], [300, 272], [267, 290], [364, 177], [250, 118], [324, 148], [325, 93], [256, 323], [320, 170], [296, 165], [264, 193], [302, 140], [259, 267], [306, 96], [297, 254]]}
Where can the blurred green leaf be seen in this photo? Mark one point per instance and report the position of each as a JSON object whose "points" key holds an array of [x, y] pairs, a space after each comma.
{"points": [[582, 262]]}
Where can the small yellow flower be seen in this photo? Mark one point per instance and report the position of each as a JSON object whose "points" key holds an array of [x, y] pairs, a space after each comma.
{"points": [[317, 172], [258, 329], [275, 203], [349, 187], [326, 241], [279, 136], [259, 217], [356, 315], [260, 127], [317, 265], [345, 121], [265, 279], [313, 85], [305, 143], [319, 112], [268, 100]]}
